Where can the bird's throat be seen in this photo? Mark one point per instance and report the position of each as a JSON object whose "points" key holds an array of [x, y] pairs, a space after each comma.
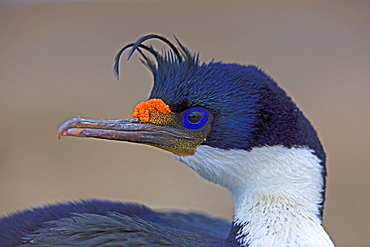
{"points": [[277, 193]]}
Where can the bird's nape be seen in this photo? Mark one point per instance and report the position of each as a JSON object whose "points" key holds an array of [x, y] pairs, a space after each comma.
{"points": [[230, 123]]}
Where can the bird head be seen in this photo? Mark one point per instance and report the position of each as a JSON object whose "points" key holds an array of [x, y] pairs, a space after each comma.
{"points": [[226, 106]]}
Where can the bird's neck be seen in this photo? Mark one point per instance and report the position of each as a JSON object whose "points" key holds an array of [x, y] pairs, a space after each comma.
{"points": [[277, 193]]}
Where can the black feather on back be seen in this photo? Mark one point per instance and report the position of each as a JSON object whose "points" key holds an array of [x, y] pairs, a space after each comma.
{"points": [[107, 223]]}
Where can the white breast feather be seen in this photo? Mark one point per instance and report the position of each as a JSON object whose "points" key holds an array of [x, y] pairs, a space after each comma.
{"points": [[276, 191]]}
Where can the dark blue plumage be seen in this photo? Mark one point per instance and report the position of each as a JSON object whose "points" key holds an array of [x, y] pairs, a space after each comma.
{"points": [[240, 109], [20, 227], [231, 92]]}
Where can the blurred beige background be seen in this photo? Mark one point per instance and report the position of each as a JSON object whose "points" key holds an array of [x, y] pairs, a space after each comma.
{"points": [[56, 63]]}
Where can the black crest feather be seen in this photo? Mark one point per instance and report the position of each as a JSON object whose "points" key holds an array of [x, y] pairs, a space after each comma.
{"points": [[177, 55]]}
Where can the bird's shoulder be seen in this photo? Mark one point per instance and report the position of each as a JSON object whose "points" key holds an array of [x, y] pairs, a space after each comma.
{"points": [[106, 223]]}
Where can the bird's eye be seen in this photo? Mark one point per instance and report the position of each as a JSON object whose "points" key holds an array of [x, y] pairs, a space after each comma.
{"points": [[195, 118]]}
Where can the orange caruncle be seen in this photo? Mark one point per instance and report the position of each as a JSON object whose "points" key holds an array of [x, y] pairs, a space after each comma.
{"points": [[144, 109]]}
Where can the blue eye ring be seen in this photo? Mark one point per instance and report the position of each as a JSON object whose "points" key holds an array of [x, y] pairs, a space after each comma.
{"points": [[195, 118]]}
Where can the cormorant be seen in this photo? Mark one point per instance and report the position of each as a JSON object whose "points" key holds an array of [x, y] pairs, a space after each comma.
{"points": [[235, 127]]}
